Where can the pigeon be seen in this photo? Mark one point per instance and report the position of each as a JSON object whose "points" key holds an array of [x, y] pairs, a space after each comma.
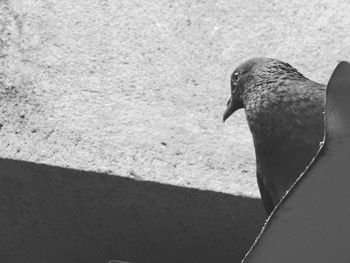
{"points": [[285, 114]]}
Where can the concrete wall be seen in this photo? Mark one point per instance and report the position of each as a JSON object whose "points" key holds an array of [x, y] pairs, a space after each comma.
{"points": [[53, 214], [139, 87]]}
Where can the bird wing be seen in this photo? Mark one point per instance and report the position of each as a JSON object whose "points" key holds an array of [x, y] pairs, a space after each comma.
{"points": [[286, 149], [265, 196]]}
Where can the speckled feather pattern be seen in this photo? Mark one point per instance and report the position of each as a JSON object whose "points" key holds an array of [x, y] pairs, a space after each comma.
{"points": [[277, 96], [285, 113]]}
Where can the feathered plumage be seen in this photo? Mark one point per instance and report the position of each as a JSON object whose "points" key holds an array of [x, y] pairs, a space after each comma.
{"points": [[284, 111]]}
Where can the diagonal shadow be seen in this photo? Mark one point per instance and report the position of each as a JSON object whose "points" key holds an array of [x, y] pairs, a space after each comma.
{"points": [[54, 214]]}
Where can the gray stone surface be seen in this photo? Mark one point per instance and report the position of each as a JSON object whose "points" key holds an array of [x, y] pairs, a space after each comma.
{"points": [[138, 88]]}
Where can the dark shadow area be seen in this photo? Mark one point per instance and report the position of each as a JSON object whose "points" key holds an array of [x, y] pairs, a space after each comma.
{"points": [[53, 214]]}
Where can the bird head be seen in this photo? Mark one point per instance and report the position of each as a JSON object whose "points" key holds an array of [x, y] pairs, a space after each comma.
{"points": [[253, 76]]}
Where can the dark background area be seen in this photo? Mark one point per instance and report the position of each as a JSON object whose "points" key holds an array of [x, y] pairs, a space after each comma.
{"points": [[53, 214]]}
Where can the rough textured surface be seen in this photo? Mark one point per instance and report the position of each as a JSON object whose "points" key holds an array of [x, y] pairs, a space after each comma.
{"points": [[138, 88], [56, 215]]}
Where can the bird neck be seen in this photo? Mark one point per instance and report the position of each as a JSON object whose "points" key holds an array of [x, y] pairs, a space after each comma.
{"points": [[281, 104]]}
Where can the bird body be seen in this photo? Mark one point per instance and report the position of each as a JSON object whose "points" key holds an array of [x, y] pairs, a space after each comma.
{"points": [[284, 111]]}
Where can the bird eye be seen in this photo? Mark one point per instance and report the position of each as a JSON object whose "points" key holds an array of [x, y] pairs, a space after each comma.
{"points": [[235, 76], [234, 80]]}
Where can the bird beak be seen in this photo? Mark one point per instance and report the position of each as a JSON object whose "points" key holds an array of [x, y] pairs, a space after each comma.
{"points": [[233, 104]]}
